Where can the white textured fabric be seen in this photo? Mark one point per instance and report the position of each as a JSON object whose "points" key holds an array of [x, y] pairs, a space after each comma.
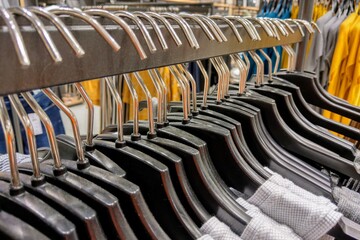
{"points": [[289, 185], [327, 237], [307, 219], [205, 237], [263, 227], [5, 164], [260, 229], [346, 193], [348, 203], [218, 230]]}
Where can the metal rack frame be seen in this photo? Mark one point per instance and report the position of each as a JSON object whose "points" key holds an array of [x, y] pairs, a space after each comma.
{"points": [[100, 61]]}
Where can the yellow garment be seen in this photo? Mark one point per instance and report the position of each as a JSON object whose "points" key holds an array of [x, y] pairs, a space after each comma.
{"points": [[350, 83], [294, 11], [337, 85], [172, 87], [315, 12], [92, 88]]}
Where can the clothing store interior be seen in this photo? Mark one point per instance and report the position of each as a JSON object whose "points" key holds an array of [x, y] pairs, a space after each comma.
{"points": [[195, 119]]}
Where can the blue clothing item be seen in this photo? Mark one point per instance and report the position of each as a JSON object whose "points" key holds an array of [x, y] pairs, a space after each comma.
{"points": [[197, 75], [50, 109], [266, 12]]}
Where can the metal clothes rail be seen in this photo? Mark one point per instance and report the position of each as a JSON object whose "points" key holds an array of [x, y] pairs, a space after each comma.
{"points": [[175, 7], [100, 60]]}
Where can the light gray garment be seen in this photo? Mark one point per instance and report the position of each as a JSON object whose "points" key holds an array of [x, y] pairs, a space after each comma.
{"points": [[348, 203], [317, 46], [309, 220], [346, 193], [205, 237], [259, 229], [218, 230], [350, 209], [263, 227], [330, 48], [289, 185], [5, 164]]}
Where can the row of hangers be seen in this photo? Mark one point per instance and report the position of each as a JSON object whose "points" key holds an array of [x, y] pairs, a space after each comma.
{"points": [[160, 181]]}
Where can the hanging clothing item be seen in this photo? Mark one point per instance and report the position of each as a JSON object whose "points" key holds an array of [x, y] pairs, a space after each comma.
{"points": [[343, 70], [317, 46], [5, 163], [218, 230], [289, 185], [92, 88], [331, 38], [348, 203], [306, 218], [262, 226], [205, 237]]}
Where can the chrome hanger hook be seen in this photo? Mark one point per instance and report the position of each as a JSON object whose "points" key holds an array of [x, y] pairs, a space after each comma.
{"points": [[246, 26], [160, 96], [90, 105], [74, 123], [152, 132], [30, 135], [10, 146], [231, 25], [184, 94], [185, 28], [119, 108], [16, 37], [40, 28], [200, 23], [269, 63], [65, 32], [135, 135], [156, 28], [206, 83], [123, 25], [49, 130], [192, 81], [91, 21], [167, 25], [219, 35]]}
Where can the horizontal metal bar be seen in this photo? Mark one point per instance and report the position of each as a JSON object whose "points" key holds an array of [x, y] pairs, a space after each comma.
{"points": [[100, 61], [175, 7]]}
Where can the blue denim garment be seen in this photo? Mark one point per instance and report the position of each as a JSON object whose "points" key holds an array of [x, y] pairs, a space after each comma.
{"points": [[51, 110]]}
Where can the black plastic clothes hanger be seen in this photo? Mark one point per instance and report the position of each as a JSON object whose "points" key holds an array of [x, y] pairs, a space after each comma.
{"points": [[186, 31], [222, 120], [287, 138], [152, 176], [233, 111], [67, 145], [209, 193], [311, 115], [18, 202], [234, 106], [229, 99], [204, 120], [299, 124], [104, 203], [84, 218], [129, 195], [327, 188], [181, 183], [18, 230], [313, 95]]}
